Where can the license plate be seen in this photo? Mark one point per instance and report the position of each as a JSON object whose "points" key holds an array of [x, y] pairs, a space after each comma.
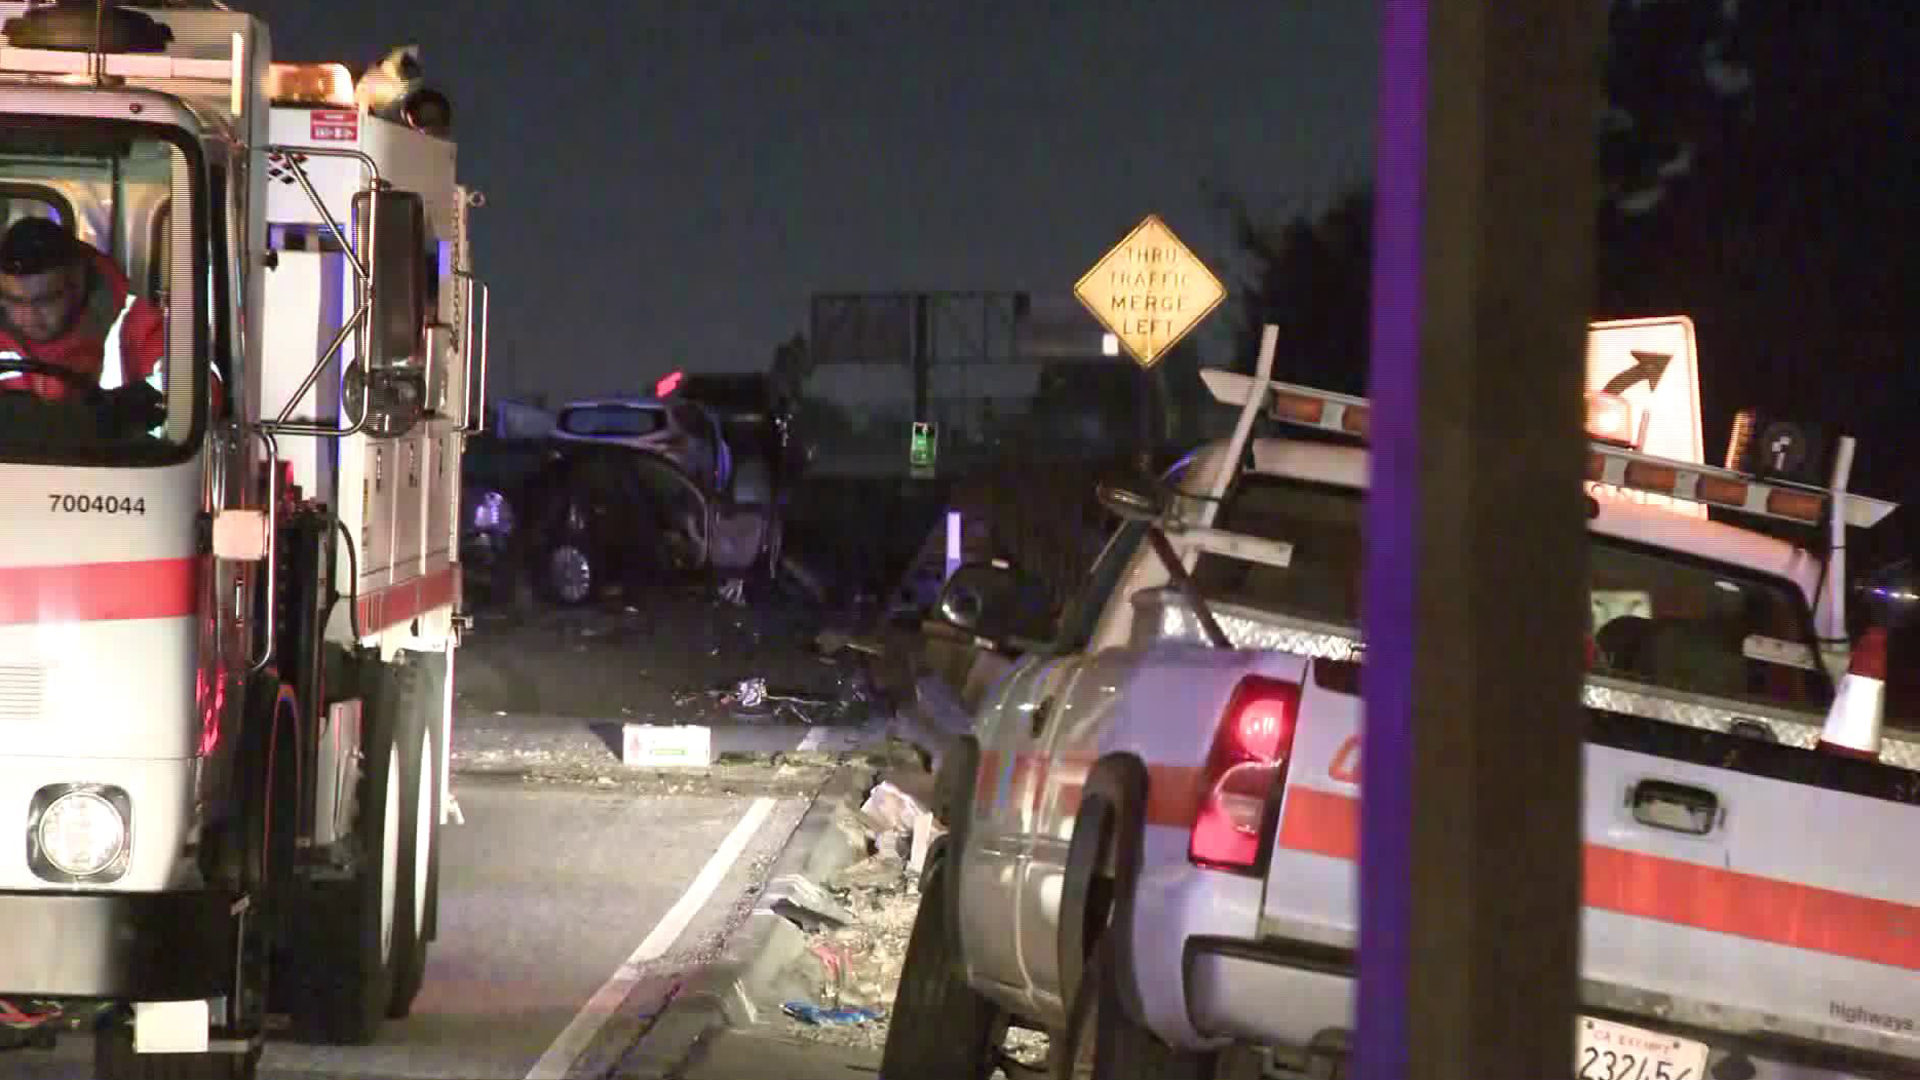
{"points": [[1610, 1051]]}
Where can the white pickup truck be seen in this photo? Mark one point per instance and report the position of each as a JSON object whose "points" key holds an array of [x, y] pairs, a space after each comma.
{"points": [[1154, 829]]}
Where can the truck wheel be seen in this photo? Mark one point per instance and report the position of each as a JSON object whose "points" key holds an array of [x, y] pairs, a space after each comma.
{"points": [[416, 704], [114, 1059], [939, 1026], [346, 971], [1126, 1050]]}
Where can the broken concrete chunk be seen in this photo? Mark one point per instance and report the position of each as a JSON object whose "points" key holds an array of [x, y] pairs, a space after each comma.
{"points": [[874, 871], [925, 831], [890, 808], [806, 904], [895, 842]]}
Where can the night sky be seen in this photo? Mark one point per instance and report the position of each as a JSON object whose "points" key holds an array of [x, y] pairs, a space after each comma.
{"points": [[668, 181]]}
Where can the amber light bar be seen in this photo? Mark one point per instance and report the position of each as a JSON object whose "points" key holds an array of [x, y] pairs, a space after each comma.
{"points": [[1342, 414]]}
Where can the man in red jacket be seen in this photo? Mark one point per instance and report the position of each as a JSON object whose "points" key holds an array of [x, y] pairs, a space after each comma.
{"points": [[64, 309]]}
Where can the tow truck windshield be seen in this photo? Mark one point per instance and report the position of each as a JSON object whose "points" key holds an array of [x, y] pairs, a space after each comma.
{"points": [[1659, 618], [99, 331]]}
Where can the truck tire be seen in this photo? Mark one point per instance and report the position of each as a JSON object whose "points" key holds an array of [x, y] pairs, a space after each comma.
{"points": [[416, 701], [344, 973], [114, 1059], [1124, 1049], [939, 1025]]}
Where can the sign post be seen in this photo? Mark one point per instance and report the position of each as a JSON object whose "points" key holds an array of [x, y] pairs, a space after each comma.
{"points": [[1149, 291]]}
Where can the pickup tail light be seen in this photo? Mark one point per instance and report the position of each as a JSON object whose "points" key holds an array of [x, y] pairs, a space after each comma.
{"points": [[1248, 762]]}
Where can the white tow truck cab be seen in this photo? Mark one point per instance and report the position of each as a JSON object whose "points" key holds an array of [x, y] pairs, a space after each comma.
{"points": [[1154, 823], [227, 628]]}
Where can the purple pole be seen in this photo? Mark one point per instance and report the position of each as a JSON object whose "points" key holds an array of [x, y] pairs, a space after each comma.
{"points": [[1470, 866], [1392, 531]]}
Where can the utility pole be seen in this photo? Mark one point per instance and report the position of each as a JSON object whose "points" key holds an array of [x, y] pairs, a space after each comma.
{"points": [[1475, 575]]}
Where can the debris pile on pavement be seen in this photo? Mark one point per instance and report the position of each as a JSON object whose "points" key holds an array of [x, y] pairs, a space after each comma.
{"points": [[858, 931], [669, 655], [752, 701]]}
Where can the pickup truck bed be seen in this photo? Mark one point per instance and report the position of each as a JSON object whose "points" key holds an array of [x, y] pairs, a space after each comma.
{"points": [[1740, 891], [1731, 883]]}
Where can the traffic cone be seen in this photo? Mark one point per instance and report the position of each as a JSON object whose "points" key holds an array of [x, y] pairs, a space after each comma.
{"points": [[1860, 702]]}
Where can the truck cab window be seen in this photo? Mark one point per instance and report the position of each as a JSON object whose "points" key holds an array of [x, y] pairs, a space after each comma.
{"points": [[100, 290]]}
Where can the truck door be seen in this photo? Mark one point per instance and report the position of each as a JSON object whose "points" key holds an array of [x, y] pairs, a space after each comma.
{"points": [[1016, 731], [993, 864], [1067, 730]]}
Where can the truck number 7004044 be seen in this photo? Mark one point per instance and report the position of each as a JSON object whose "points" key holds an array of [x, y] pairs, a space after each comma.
{"points": [[95, 504]]}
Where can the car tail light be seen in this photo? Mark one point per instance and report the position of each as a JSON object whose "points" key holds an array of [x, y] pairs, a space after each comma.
{"points": [[1248, 761]]}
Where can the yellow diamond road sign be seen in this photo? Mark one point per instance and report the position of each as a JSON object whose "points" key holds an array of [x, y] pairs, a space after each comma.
{"points": [[1150, 291]]}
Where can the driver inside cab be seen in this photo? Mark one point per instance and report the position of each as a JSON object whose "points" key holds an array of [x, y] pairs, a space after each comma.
{"points": [[62, 302]]}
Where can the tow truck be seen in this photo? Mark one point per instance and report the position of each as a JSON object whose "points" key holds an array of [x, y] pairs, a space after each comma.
{"points": [[1153, 825], [227, 640]]}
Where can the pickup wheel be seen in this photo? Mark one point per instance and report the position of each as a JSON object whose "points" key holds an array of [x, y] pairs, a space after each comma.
{"points": [[1126, 1050], [939, 1026]]}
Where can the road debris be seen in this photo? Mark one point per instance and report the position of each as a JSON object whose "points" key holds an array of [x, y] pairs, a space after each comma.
{"points": [[805, 904], [857, 965], [814, 1014]]}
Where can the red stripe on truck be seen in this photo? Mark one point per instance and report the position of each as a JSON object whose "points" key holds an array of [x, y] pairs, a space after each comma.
{"points": [[1628, 882], [393, 604], [98, 592], [1672, 891]]}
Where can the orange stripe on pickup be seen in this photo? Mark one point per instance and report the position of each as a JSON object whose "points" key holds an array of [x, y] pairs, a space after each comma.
{"points": [[1672, 891], [99, 592]]}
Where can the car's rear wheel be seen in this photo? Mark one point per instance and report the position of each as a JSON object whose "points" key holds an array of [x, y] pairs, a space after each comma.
{"points": [[569, 577]]}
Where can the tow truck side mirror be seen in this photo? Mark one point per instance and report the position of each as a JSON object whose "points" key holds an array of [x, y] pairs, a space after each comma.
{"points": [[390, 233], [995, 603], [396, 262], [240, 535]]}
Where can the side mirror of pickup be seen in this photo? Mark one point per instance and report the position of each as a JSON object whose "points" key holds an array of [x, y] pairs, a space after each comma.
{"points": [[1130, 501], [992, 601], [1891, 595]]}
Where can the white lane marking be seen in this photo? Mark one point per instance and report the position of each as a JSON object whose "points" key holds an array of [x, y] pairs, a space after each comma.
{"points": [[815, 736], [579, 1033]]}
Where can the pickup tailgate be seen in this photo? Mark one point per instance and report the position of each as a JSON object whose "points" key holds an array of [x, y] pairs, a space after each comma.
{"points": [[1732, 884]]}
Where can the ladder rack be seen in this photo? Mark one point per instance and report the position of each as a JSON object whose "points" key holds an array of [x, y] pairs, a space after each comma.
{"points": [[15, 61], [1343, 414]]}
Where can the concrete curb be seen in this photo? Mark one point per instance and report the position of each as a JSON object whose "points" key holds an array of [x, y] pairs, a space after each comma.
{"points": [[760, 968]]}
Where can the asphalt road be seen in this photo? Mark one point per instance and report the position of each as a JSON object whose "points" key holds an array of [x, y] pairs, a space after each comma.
{"points": [[547, 894]]}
